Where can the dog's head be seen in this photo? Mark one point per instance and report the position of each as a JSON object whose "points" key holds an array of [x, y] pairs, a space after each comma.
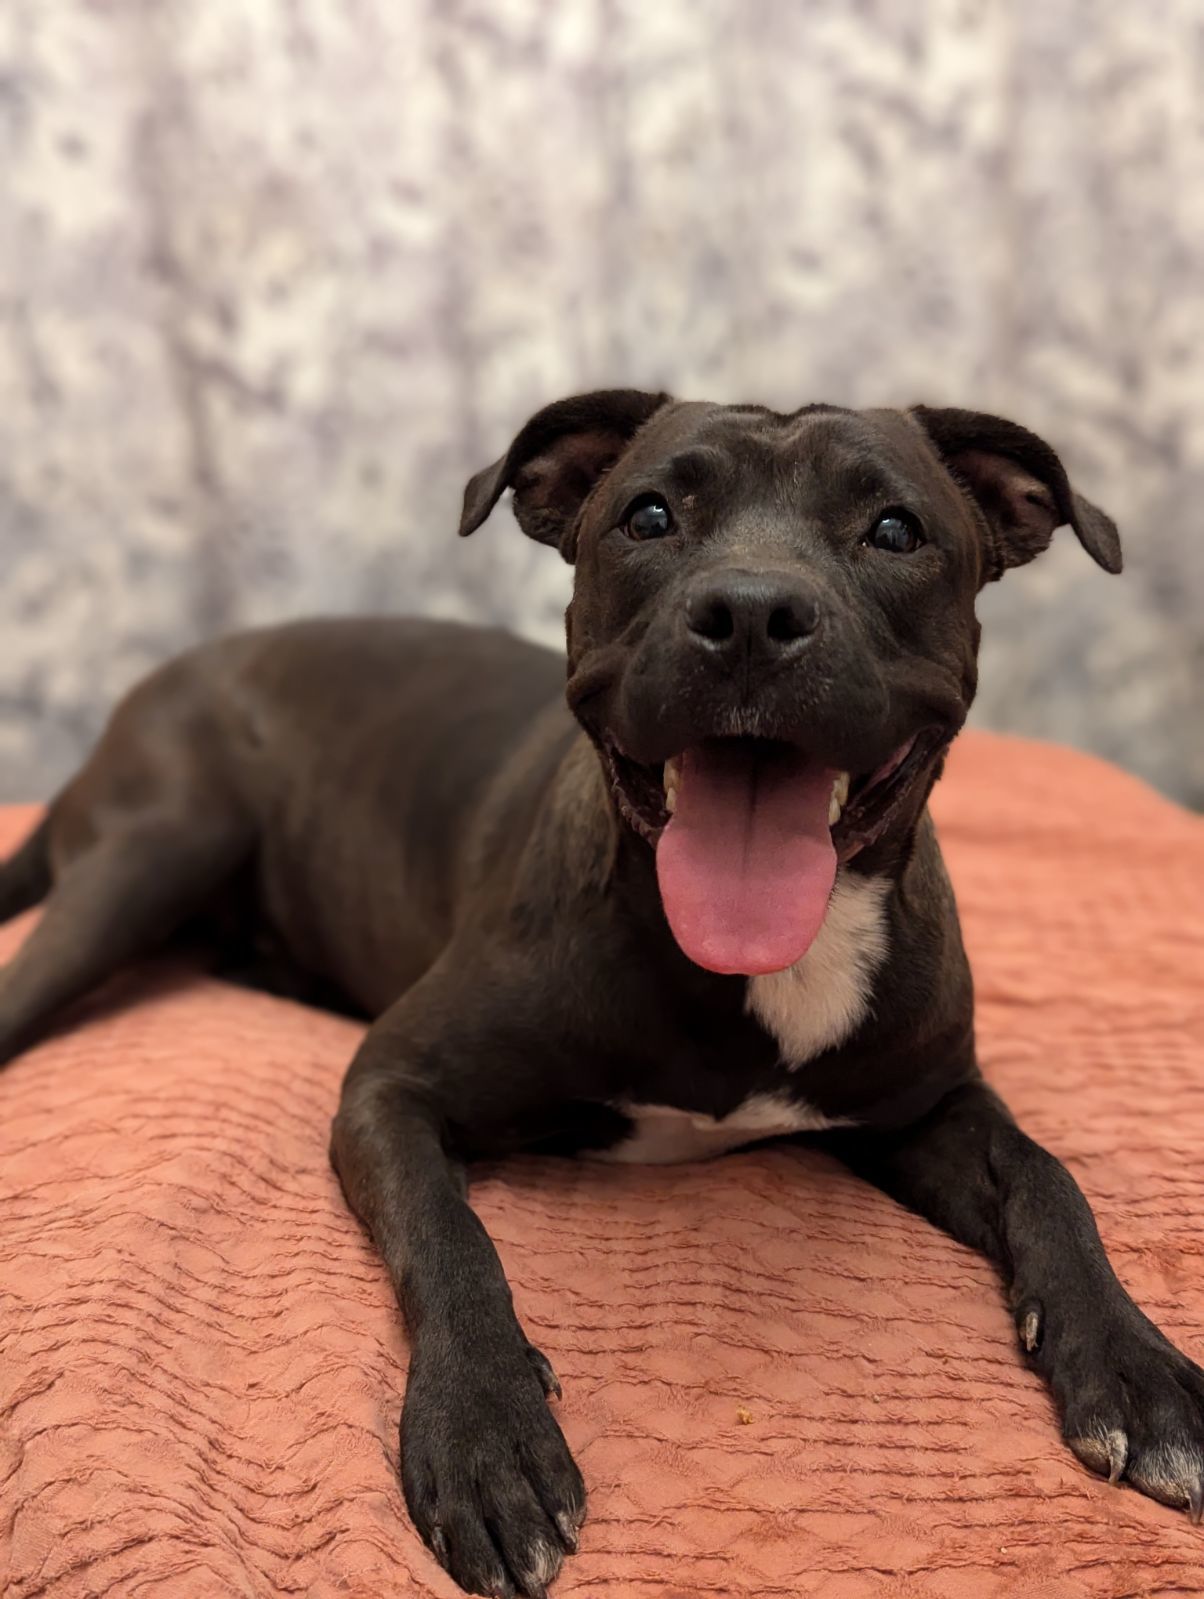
{"points": [[772, 636]]}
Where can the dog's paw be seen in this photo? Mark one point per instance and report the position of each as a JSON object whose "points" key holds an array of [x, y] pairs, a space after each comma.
{"points": [[488, 1477], [1132, 1404]]}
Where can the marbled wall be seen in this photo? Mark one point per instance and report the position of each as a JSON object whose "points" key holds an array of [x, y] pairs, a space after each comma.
{"points": [[275, 275]]}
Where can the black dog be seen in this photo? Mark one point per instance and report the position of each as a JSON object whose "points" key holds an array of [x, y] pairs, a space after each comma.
{"points": [[627, 940]]}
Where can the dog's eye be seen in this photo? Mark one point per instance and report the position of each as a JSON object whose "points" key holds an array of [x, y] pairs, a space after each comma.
{"points": [[897, 532], [647, 518]]}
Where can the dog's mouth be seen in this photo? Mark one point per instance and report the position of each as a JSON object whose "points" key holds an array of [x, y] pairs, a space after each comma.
{"points": [[748, 834]]}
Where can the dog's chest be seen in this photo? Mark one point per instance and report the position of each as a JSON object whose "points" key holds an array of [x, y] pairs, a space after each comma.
{"points": [[812, 1006], [821, 1000], [663, 1135]]}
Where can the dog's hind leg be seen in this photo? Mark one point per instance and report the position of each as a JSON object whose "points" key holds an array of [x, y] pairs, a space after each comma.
{"points": [[121, 897], [25, 877], [139, 841]]}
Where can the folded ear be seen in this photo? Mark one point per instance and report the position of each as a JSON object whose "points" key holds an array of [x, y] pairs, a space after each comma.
{"points": [[556, 460], [1020, 486]]}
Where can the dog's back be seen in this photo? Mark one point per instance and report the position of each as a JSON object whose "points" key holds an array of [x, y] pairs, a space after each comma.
{"points": [[266, 759]]}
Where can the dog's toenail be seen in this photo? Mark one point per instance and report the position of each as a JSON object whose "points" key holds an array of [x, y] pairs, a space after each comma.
{"points": [[547, 1377], [567, 1530], [1195, 1501], [1103, 1450]]}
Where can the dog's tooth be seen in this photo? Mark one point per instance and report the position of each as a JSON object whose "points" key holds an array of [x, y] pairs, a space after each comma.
{"points": [[840, 793], [672, 775]]}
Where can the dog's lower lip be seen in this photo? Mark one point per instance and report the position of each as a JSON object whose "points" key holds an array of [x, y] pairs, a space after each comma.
{"points": [[638, 791], [876, 799]]}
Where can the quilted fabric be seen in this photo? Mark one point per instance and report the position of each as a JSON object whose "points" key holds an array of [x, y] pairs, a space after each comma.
{"points": [[776, 1382]]}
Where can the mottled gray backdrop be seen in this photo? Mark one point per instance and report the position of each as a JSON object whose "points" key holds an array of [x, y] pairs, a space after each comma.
{"points": [[275, 275]]}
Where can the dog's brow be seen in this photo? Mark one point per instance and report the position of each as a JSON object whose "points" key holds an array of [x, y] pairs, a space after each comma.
{"points": [[694, 468], [870, 478], [852, 464]]}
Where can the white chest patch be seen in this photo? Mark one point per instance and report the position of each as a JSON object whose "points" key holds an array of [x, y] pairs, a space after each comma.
{"points": [[821, 999], [664, 1135], [811, 1006]]}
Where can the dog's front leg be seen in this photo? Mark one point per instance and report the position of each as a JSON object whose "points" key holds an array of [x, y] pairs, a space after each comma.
{"points": [[1132, 1406], [487, 1475]]}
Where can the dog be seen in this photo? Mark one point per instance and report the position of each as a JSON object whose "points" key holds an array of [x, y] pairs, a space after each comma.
{"points": [[699, 905]]}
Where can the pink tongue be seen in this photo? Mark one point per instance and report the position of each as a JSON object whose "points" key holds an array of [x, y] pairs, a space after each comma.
{"points": [[746, 864]]}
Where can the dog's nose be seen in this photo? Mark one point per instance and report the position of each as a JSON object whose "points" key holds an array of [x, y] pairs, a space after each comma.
{"points": [[752, 614]]}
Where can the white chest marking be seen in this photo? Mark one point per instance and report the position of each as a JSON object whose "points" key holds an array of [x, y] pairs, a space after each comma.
{"points": [[811, 1006], [664, 1135], [820, 1000]]}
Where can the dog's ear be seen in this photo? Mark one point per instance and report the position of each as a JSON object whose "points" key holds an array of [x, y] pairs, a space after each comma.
{"points": [[556, 460], [1020, 486]]}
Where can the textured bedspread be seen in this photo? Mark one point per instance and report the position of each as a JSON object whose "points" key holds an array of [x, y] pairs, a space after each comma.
{"points": [[776, 1382]]}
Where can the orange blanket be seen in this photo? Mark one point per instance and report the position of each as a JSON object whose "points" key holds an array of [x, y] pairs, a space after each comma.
{"points": [[776, 1382]]}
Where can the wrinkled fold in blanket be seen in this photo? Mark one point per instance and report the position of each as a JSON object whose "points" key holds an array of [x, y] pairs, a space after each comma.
{"points": [[776, 1382]]}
